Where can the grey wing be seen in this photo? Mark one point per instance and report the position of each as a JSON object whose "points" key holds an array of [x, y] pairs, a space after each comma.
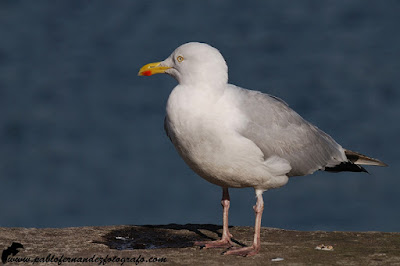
{"points": [[278, 130]]}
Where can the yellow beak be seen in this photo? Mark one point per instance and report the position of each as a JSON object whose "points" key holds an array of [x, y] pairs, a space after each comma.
{"points": [[152, 68]]}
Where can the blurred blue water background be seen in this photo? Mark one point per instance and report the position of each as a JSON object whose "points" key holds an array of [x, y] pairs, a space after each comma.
{"points": [[82, 138]]}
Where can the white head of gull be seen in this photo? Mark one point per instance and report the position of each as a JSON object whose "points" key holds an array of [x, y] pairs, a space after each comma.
{"points": [[236, 138]]}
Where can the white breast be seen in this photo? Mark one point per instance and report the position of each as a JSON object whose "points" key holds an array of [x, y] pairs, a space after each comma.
{"points": [[203, 125]]}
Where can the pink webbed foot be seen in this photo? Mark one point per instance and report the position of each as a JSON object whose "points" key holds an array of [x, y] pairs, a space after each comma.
{"points": [[225, 241], [252, 250], [245, 251], [222, 243]]}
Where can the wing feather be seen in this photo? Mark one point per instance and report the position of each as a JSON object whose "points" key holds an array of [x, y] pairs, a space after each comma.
{"points": [[279, 131]]}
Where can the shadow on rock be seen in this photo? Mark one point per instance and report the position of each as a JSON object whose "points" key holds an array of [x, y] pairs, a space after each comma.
{"points": [[159, 236]]}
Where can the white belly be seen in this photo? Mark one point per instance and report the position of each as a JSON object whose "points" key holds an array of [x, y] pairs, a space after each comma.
{"points": [[204, 133]]}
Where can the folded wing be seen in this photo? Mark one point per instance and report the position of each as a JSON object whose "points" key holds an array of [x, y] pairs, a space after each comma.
{"points": [[279, 131]]}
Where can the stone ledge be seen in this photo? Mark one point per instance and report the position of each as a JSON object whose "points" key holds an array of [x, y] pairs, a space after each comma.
{"points": [[173, 245]]}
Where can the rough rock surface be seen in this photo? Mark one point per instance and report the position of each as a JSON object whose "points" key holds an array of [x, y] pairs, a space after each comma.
{"points": [[173, 245]]}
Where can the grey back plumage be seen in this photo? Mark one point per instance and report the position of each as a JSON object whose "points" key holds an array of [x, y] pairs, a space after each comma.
{"points": [[278, 130]]}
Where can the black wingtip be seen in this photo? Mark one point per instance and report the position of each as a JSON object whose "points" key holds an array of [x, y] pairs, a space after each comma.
{"points": [[346, 167]]}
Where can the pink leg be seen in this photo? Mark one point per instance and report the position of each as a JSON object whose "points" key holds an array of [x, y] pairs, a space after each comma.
{"points": [[225, 241], [252, 250]]}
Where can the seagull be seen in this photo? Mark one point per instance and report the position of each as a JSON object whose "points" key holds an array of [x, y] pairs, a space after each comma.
{"points": [[237, 138]]}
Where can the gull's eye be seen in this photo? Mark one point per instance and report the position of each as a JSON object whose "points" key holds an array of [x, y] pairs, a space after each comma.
{"points": [[179, 59]]}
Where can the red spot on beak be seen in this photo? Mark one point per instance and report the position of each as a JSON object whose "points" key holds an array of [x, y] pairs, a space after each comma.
{"points": [[146, 73]]}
